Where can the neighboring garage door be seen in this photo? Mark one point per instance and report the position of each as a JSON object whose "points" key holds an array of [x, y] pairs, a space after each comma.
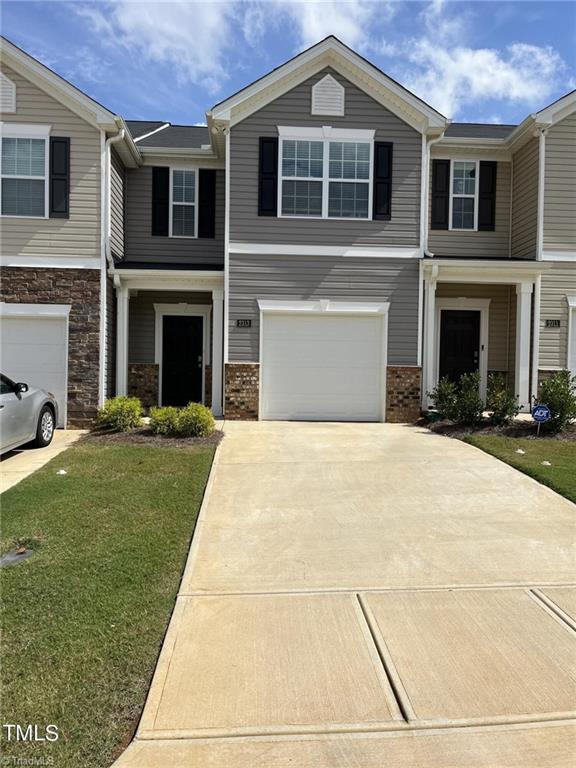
{"points": [[323, 366], [34, 341]]}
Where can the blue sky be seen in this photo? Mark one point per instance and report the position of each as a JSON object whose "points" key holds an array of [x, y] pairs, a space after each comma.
{"points": [[474, 61]]}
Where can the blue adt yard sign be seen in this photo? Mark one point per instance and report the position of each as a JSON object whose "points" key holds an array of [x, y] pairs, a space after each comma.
{"points": [[541, 413]]}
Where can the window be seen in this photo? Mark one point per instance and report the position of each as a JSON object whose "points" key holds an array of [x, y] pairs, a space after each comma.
{"points": [[183, 197], [323, 177], [24, 172], [463, 200]]}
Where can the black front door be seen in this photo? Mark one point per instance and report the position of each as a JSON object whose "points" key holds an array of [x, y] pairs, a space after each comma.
{"points": [[459, 343], [181, 359]]}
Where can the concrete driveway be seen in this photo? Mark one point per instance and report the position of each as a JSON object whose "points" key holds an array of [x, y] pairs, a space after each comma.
{"points": [[368, 595]]}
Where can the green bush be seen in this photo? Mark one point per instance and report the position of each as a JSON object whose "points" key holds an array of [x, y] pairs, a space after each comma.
{"points": [[559, 393], [459, 403], [121, 413], [503, 403], [195, 420], [164, 421]]}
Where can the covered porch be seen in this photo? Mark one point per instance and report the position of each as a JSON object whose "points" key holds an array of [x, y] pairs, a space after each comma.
{"points": [[479, 316], [169, 336]]}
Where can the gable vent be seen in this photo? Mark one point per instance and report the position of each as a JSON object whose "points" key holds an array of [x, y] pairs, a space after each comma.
{"points": [[7, 94], [328, 97]]}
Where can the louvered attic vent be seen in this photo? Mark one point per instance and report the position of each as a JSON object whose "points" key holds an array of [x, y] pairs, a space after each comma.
{"points": [[328, 97], [7, 94]]}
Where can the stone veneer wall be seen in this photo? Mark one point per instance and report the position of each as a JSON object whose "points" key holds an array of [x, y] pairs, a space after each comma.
{"points": [[81, 289], [403, 393], [241, 384], [143, 382]]}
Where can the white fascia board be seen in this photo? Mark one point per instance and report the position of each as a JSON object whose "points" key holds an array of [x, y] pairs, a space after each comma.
{"points": [[34, 310], [327, 53], [558, 110], [325, 132], [56, 86], [25, 130], [50, 262], [325, 306], [478, 271], [275, 249], [175, 152], [559, 256]]}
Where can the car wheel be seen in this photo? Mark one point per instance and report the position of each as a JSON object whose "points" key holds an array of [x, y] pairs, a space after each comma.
{"points": [[45, 429]]}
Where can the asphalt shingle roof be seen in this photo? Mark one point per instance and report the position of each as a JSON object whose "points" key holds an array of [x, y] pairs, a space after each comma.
{"points": [[178, 137], [139, 128], [478, 131]]}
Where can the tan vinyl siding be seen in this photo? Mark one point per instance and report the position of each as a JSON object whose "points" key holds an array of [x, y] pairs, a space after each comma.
{"points": [[557, 283], [501, 317], [475, 245], [326, 277], [117, 199], [525, 201], [139, 243], [560, 186], [142, 319], [361, 112], [79, 235]]}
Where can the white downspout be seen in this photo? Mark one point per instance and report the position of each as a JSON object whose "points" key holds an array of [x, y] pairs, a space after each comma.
{"points": [[109, 141], [541, 171], [425, 203]]}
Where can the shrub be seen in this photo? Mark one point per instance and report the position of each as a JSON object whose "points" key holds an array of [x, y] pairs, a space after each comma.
{"points": [[195, 421], [559, 393], [121, 413], [460, 403], [164, 421], [503, 403]]}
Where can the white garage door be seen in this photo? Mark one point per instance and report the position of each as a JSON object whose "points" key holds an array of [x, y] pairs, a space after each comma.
{"points": [[322, 367], [34, 351]]}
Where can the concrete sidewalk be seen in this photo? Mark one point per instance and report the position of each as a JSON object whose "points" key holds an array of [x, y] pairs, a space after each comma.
{"points": [[368, 595]]}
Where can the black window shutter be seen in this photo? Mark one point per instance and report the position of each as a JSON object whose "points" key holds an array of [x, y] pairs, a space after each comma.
{"points": [[382, 205], [206, 202], [59, 189], [487, 196], [160, 200], [440, 194], [268, 177]]}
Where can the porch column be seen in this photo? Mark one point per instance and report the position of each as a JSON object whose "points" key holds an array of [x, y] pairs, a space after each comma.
{"points": [[123, 304], [429, 339], [217, 348], [523, 322]]}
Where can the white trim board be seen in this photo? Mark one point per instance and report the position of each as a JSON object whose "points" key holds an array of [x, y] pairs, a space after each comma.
{"points": [[571, 340], [559, 256], [276, 249], [50, 262], [182, 310], [8, 309], [475, 305]]}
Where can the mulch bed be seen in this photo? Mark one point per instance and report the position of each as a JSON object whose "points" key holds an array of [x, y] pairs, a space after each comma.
{"points": [[144, 436], [524, 429]]}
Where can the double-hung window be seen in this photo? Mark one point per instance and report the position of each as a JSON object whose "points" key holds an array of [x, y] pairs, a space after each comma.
{"points": [[464, 195], [325, 173], [183, 202], [24, 176]]}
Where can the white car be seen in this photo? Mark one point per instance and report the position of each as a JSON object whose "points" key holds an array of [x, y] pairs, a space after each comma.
{"points": [[26, 414]]}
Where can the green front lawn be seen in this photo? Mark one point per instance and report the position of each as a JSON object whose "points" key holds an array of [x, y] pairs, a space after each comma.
{"points": [[83, 619], [560, 476]]}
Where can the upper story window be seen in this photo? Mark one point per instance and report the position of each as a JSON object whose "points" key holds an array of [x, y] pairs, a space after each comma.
{"points": [[183, 197], [325, 173], [24, 173], [464, 195]]}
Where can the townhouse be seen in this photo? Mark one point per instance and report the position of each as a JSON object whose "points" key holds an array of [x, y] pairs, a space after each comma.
{"points": [[327, 247]]}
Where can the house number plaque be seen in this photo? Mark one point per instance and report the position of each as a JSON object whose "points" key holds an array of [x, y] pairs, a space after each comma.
{"points": [[552, 323], [243, 323]]}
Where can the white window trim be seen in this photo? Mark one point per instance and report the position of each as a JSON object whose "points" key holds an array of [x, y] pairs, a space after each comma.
{"points": [[195, 310], [195, 203], [475, 305], [325, 134], [570, 358], [475, 196], [28, 131]]}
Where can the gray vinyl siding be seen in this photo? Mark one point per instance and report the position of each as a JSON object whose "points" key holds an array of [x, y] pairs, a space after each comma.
{"points": [[117, 199], [477, 245], [110, 338], [139, 243], [142, 319], [525, 201], [79, 235], [361, 112], [336, 278], [557, 283], [560, 186], [501, 318]]}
